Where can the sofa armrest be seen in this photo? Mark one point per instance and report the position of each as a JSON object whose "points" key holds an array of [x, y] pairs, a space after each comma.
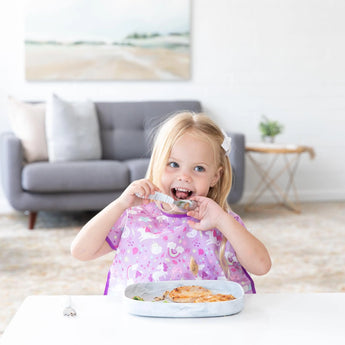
{"points": [[237, 159], [12, 161]]}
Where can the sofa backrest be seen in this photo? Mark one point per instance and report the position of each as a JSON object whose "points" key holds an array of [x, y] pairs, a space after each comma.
{"points": [[125, 127]]}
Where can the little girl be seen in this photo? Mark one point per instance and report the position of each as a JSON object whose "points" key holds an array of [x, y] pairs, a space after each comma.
{"points": [[154, 241]]}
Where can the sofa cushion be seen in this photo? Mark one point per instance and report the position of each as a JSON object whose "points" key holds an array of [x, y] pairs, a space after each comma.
{"points": [[72, 130], [137, 168], [125, 126], [75, 176], [28, 123]]}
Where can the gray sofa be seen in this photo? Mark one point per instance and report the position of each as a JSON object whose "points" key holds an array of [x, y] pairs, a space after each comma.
{"points": [[91, 185]]}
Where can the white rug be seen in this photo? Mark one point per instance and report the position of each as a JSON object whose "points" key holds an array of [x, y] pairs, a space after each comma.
{"points": [[307, 250]]}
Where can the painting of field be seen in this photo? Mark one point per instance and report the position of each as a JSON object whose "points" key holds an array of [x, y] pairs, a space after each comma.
{"points": [[152, 44]]}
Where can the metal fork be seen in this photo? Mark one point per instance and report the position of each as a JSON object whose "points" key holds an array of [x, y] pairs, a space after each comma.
{"points": [[186, 205], [69, 311]]}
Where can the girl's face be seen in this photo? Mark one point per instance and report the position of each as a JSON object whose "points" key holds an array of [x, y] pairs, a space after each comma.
{"points": [[191, 168]]}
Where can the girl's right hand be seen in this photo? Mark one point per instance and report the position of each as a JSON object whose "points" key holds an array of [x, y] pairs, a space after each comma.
{"points": [[143, 187]]}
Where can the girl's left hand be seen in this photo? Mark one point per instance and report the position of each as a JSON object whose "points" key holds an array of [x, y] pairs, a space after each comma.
{"points": [[208, 212]]}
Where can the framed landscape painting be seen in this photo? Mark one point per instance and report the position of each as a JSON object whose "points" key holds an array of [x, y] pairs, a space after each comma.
{"points": [[107, 40]]}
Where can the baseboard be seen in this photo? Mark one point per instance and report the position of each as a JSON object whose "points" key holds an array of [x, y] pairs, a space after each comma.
{"points": [[304, 196], [5, 207]]}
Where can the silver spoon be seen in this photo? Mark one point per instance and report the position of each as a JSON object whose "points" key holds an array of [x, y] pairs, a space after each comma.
{"points": [[186, 205], [69, 311]]}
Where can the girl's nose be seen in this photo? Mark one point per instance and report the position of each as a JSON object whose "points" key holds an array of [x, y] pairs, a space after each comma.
{"points": [[184, 178]]}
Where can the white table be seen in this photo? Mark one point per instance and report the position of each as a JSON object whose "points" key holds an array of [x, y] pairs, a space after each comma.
{"points": [[266, 319]]}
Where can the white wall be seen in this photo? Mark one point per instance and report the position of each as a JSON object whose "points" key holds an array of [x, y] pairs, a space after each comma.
{"points": [[282, 58]]}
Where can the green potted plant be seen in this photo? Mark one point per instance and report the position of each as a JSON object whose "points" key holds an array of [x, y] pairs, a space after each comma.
{"points": [[269, 129]]}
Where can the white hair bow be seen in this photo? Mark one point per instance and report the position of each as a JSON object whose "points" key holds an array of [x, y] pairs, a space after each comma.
{"points": [[226, 145]]}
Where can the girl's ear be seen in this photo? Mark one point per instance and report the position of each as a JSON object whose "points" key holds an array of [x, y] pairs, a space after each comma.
{"points": [[217, 176]]}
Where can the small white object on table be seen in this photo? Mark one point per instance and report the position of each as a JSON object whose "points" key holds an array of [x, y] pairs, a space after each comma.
{"points": [[266, 319]]}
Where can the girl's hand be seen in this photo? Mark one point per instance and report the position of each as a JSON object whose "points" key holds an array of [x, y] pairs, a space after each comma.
{"points": [[208, 212], [143, 187]]}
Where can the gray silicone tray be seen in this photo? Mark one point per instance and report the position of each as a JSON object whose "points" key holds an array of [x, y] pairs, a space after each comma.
{"points": [[149, 307]]}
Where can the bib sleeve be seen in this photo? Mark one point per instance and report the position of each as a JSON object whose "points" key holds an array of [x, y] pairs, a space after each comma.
{"points": [[115, 233], [237, 218]]}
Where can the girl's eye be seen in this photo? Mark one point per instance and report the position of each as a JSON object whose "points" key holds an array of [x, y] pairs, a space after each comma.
{"points": [[173, 165], [199, 168]]}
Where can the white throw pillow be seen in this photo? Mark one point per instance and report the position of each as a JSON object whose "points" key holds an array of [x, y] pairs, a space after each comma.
{"points": [[28, 124], [72, 130]]}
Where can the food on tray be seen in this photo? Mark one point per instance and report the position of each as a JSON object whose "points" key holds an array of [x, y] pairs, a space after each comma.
{"points": [[196, 294], [163, 297], [193, 266], [138, 298], [219, 297], [190, 294]]}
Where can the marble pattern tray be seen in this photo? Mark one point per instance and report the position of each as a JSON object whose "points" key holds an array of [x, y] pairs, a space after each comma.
{"points": [[149, 307]]}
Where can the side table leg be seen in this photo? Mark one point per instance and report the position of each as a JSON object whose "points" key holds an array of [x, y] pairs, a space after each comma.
{"points": [[264, 183], [267, 182], [291, 167]]}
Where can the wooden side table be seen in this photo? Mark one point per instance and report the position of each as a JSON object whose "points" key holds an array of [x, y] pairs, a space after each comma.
{"points": [[291, 155]]}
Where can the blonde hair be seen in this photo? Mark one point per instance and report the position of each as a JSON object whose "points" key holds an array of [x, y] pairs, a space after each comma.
{"points": [[204, 128]]}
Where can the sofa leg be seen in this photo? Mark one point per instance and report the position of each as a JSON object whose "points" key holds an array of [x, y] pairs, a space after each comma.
{"points": [[32, 220]]}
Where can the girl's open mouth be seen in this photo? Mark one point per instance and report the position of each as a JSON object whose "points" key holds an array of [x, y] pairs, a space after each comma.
{"points": [[181, 193]]}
